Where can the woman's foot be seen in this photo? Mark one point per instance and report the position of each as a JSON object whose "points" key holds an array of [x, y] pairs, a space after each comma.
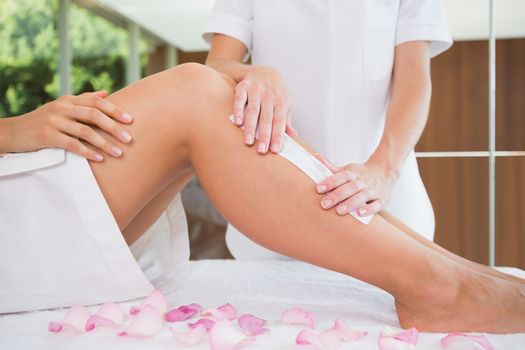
{"points": [[475, 302]]}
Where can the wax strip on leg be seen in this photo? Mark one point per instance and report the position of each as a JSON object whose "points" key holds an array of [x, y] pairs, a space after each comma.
{"points": [[308, 164]]}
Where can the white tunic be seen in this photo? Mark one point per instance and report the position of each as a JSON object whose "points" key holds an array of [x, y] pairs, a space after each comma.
{"points": [[336, 58]]}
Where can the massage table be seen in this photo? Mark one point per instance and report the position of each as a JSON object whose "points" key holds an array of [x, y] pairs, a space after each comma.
{"points": [[262, 288]]}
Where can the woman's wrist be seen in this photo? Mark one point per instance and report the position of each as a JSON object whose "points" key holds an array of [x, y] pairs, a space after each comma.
{"points": [[5, 126]]}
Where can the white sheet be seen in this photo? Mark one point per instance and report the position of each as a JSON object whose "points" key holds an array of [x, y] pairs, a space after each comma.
{"points": [[262, 288]]}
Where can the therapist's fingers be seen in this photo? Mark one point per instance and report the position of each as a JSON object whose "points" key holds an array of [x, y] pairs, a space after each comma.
{"points": [[265, 125], [337, 180], [372, 207], [74, 145], [355, 201], [290, 130], [327, 163], [278, 129], [251, 117], [239, 102], [341, 194]]}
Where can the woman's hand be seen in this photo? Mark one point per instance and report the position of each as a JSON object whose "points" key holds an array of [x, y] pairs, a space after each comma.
{"points": [[63, 123], [365, 188], [262, 103]]}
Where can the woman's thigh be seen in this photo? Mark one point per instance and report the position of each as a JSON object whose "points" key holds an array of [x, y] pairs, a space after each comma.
{"points": [[167, 108]]}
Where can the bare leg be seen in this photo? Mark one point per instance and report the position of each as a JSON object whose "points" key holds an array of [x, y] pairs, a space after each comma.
{"points": [[468, 263], [181, 125]]}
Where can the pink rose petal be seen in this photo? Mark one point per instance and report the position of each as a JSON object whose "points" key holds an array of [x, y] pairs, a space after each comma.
{"points": [[330, 338], [206, 322], [347, 334], [147, 323], [156, 299], [109, 315], [306, 337], [298, 317], [193, 337], [224, 336], [475, 341], [75, 318], [182, 313], [224, 312], [389, 339], [252, 325]]}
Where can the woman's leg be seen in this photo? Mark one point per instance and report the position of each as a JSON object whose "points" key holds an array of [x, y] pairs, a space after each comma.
{"points": [[181, 124], [468, 263]]}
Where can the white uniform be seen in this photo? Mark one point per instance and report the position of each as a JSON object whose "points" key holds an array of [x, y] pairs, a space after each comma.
{"points": [[59, 242], [336, 57]]}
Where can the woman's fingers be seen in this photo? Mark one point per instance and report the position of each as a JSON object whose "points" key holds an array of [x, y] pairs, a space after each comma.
{"points": [[96, 117], [95, 100], [84, 132], [239, 102], [74, 145]]}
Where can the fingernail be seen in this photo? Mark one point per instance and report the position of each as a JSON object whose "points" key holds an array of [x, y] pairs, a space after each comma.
{"points": [[261, 148], [326, 203], [248, 139], [126, 137], [342, 209], [117, 152], [321, 188], [275, 148], [127, 117], [238, 121], [361, 212], [98, 157]]}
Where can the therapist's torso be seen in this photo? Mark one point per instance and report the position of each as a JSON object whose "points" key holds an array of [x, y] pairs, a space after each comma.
{"points": [[336, 58]]}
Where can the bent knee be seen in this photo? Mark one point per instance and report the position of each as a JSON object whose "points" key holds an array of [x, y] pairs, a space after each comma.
{"points": [[203, 78]]}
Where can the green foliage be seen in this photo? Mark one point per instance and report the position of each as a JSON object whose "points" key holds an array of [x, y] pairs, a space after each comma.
{"points": [[29, 54]]}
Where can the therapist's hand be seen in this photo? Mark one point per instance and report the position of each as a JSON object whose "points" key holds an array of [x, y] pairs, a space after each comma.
{"points": [[262, 101], [365, 188], [64, 122]]}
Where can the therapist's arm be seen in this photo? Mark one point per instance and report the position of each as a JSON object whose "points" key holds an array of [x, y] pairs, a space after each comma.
{"points": [[261, 98], [368, 187]]}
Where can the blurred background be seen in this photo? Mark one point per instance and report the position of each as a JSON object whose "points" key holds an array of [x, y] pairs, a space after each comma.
{"points": [[53, 47]]}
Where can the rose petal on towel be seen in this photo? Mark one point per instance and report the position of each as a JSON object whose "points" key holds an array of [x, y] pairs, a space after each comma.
{"points": [[347, 334], [206, 322], [147, 323], [224, 336], [75, 318], [109, 315], [306, 337], [156, 299], [193, 337], [298, 317], [182, 313], [475, 342], [224, 312], [331, 338], [390, 339], [252, 325]]}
